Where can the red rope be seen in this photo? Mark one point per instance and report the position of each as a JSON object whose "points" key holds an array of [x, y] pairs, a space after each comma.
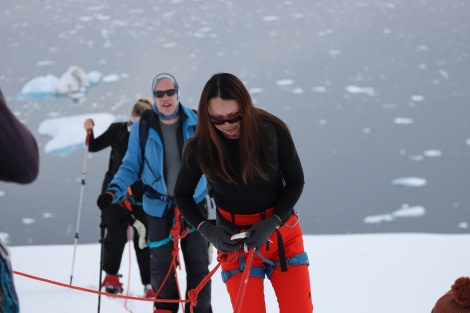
{"points": [[177, 233], [91, 290], [244, 281], [192, 294]]}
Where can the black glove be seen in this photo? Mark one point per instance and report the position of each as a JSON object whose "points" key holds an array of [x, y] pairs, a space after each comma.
{"points": [[219, 236], [260, 232], [104, 200]]}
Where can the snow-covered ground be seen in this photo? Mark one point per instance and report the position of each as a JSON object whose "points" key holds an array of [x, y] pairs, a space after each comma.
{"points": [[386, 273]]}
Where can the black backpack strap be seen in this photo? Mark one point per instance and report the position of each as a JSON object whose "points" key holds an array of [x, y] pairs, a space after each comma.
{"points": [[147, 120]]}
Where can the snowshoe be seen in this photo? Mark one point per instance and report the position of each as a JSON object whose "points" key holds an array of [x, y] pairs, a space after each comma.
{"points": [[111, 284]]}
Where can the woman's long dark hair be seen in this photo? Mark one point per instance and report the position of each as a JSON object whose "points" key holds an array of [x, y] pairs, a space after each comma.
{"points": [[254, 138]]}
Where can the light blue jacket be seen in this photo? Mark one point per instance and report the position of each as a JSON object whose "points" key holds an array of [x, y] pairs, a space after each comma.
{"points": [[153, 168]]}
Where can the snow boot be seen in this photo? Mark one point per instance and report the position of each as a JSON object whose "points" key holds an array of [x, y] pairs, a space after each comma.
{"points": [[112, 284], [148, 291]]}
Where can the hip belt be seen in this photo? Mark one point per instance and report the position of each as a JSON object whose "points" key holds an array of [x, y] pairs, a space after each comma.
{"points": [[244, 219], [153, 194]]}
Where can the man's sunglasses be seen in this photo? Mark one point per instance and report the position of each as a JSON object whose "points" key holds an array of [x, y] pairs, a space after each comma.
{"points": [[231, 120], [161, 93]]}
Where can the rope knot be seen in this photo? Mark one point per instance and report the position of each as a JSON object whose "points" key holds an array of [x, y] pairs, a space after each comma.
{"points": [[192, 296]]}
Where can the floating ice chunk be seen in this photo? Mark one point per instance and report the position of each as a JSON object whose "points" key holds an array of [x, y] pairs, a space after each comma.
{"points": [[67, 134], [432, 153], [422, 48], [102, 17], [416, 157], [110, 78], [409, 182], [169, 45], [40, 85], [417, 98], [357, 90], [270, 18], [298, 91], [375, 219], [325, 32], [285, 82], [28, 220], [404, 212], [47, 215], [407, 211], [94, 77], [85, 18], [45, 63], [334, 52], [205, 29], [254, 91], [403, 120], [444, 73], [319, 89], [73, 80]]}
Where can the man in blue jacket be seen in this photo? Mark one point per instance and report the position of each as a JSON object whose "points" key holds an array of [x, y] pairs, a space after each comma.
{"points": [[157, 165]]}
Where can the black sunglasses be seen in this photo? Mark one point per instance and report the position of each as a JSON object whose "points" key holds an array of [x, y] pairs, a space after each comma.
{"points": [[231, 120], [161, 93]]}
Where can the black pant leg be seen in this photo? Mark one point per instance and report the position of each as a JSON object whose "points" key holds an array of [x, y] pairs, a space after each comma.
{"points": [[196, 259], [142, 255], [160, 261], [115, 238]]}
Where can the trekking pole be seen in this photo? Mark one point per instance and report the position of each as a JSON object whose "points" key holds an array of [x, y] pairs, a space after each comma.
{"points": [[244, 281], [80, 203], [102, 227]]}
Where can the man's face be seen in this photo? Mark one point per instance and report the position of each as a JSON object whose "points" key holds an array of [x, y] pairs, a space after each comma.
{"points": [[166, 104]]}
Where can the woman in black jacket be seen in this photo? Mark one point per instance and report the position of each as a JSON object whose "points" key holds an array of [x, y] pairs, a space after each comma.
{"points": [[117, 217], [255, 177]]}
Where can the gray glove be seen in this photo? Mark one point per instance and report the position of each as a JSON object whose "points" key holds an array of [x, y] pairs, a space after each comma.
{"points": [[260, 232], [219, 236]]}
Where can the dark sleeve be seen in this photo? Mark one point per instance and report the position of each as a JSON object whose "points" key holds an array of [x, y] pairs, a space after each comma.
{"points": [[291, 169], [19, 154], [186, 183], [105, 140]]}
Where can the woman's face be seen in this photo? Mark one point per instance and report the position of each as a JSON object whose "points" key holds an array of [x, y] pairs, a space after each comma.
{"points": [[225, 116]]}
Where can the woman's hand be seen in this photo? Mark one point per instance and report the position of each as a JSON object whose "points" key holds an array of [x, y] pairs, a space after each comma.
{"points": [[89, 124], [219, 236], [260, 232]]}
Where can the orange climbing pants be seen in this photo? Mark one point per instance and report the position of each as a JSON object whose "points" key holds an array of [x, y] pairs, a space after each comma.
{"points": [[292, 287]]}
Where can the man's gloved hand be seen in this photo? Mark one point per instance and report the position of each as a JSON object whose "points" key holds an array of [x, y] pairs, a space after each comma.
{"points": [[219, 236], [260, 232], [104, 200]]}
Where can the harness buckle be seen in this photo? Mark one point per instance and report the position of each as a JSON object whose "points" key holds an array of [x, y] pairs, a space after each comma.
{"points": [[296, 221]]}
